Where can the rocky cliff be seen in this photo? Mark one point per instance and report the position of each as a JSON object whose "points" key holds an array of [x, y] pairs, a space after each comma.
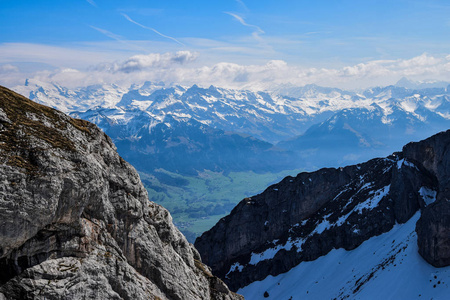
{"points": [[305, 217], [75, 219]]}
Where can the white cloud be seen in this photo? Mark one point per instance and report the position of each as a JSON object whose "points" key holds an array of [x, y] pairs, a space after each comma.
{"points": [[183, 67], [8, 68], [419, 61], [369, 69], [138, 63]]}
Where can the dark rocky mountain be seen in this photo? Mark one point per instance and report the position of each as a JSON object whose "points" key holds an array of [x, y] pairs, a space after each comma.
{"points": [[75, 219], [304, 217]]}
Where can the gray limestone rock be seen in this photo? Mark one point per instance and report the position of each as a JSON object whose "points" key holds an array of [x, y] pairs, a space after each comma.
{"points": [[75, 220]]}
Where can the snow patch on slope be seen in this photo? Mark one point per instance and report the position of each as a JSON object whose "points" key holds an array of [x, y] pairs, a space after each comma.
{"points": [[271, 252], [369, 204], [428, 195], [384, 267], [235, 267], [403, 162], [372, 202]]}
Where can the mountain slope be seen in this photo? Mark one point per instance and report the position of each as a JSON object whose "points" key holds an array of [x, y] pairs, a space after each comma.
{"points": [[76, 220], [68, 99], [376, 121], [225, 131], [151, 145], [358, 134], [264, 116], [303, 218], [385, 267]]}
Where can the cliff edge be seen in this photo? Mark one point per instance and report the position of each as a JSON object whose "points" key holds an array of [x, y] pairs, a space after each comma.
{"points": [[75, 219]]}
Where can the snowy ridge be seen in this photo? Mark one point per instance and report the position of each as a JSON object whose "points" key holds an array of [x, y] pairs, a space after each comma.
{"points": [[387, 266], [270, 116], [321, 127], [69, 100]]}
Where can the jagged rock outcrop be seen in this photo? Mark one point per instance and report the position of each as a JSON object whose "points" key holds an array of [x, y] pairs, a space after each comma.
{"points": [[75, 220], [433, 227], [433, 234], [303, 218]]}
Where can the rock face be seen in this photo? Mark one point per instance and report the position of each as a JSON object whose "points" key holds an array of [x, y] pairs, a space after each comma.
{"points": [[303, 218], [75, 219], [433, 233], [433, 228]]}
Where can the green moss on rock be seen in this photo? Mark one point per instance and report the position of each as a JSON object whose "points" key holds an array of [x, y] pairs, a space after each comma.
{"points": [[27, 121]]}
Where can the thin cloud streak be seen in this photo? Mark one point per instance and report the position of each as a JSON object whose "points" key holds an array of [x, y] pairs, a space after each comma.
{"points": [[116, 37], [241, 3], [242, 21], [108, 33], [152, 29]]}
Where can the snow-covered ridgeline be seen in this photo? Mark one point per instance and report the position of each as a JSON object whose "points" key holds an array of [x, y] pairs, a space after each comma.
{"points": [[220, 102]]}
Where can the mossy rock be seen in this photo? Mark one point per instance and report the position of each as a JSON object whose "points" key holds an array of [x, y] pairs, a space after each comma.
{"points": [[27, 122]]}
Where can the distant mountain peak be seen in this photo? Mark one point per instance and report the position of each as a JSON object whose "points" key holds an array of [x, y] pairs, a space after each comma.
{"points": [[405, 82]]}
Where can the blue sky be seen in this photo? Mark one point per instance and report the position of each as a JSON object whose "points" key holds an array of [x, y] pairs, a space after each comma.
{"points": [[303, 34]]}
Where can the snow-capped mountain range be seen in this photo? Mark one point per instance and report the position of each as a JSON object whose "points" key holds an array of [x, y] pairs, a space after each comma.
{"points": [[295, 226], [318, 126]]}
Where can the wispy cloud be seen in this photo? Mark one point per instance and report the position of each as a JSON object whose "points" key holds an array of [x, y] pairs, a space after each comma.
{"points": [[242, 4], [91, 2], [117, 37], [8, 68], [108, 33], [241, 20], [152, 29]]}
